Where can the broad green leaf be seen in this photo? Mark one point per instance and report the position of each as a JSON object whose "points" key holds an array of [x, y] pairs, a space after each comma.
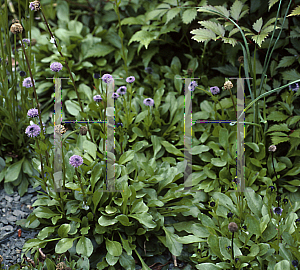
{"points": [[218, 162], [176, 65], [294, 171], [91, 148], [230, 41], [84, 246], [253, 146], [63, 245], [223, 137], [286, 61], [217, 28], [113, 247], [228, 70], [144, 218], [171, 241], [172, 13], [105, 221], [196, 150], [253, 225], [44, 212], [26, 167], [72, 107], [202, 35], [13, 171], [213, 242], [134, 20], [254, 202], [277, 116], [144, 37], [124, 220], [156, 144], [126, 157], [290, 75], [141, 116], [63, 230], [171, 149], [236, 9], [278, 140], [258, 25], [45, 232], [208, 266], [75, 26], [283, 265], [189, 15], [62, 11], [148, 54], [127, 261], [281, 127]]}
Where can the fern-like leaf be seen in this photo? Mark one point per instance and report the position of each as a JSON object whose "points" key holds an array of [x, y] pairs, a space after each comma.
{"points": [[172, 13], [295, 12], [286, 61], [189, 15], [231, 41], [278, 140], [218, 29], [277, 116], [258, 39], [281, 127], [258, 25], [235, 10], [202, 35], [272, 2]]}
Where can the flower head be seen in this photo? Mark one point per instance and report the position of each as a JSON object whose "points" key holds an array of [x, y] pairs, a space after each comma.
{"points": [[192, 85], [272, 188], [33, 130], [119, 125], [115, 96], [97, 75], [228, 85], [232, 227], [212, 204], [56, 66], [27, 82], [26, 40], [294, 87], [130, 79], [35, 5], [285, 201], [97, 98], [16, 27], [33, 113], [229, 215], [76, 160], [148, 102], [149, 70], [215, 90], [22, 73], [295, 263], [107, 78], [277, 210], [272, 148], [122, 90]]}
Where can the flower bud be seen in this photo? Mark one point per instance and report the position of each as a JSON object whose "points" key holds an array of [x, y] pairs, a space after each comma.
{"points": [[232, 227]]}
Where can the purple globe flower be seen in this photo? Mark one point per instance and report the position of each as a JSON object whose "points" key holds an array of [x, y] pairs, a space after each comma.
{"points": [[277, 210], [56, 66], [96, 75], [122, 90], [107, 78], [215, 90], [76, 161], [115, 96], [26, 40], [33, 112], [31, 6], [130, 79], [294, 86], [22, 73], [33, 130], [27, 82], [97, 98], [192, 85], [148, 102]]}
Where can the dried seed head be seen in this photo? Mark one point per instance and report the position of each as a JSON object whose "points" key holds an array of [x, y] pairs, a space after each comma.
{"points": [[228, 85], [61, 266], [83, 130], [272, 148], [16, 27], [190, 71], [232, 227], [241, 59], [60, 129]]}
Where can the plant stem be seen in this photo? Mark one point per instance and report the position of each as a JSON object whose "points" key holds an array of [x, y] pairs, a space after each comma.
{"points": [[232, 252], [277, 182], [82, 189], [233, 102]]}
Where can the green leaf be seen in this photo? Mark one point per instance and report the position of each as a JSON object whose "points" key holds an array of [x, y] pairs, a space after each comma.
{"points": [[148, 54], [156, 144], [286, 61], [45, 232], [283, 265], [63, 245], [281, 127], [258, 39], [202, 35], [231, 41], [272, 2], [44, 212], [254, 202], [172, 13], [145, 219], [63, 230], [171, 243], [217, 28], [278, 140], [105, 221], [91, 148], [290, 75], [218, 162], [228, 70], [62, 11], [171, 149], [295, 12], [99, 50], [126, 157], [258, 25], [196, 150], [189, 15], [113, 247], [213, 242], [253, 225], [208, 266], [236, 9], [138, 132], [75, 26], [72, 107], [84, 246], [27, 167], [13, 171], [124, 220], [134, 20], [144, 37], [141, 116], [253, 146], [293, 171], [277, 116], [176, 65], [127, 261]]}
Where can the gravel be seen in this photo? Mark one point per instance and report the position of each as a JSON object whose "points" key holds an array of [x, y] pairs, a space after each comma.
{"points": [[13, 208]]}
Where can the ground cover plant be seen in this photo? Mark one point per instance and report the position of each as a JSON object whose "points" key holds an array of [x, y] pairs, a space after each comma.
{"points": [[207, 227]]}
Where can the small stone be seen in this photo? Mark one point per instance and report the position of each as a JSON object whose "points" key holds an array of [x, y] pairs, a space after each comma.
{"points": [[9, 199], [7, 228], [18, 213]]}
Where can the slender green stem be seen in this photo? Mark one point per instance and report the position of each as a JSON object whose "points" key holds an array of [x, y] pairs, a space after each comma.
{"points": [[277, 182], [82, 189], [232, 252]]}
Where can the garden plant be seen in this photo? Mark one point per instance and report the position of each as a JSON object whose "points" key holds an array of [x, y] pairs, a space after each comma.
{"points": [[147, 51]]}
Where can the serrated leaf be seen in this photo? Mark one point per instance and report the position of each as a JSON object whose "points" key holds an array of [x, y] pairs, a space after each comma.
{"points": [[189, 15], [258, 39], [202, 35], [281, 127], [295, 12], [290, 75], [272, 2], [215, 27], [134, 20], [143, 36], [223, 11], [236, 9], [233, 31], [257, 25], [228, 70], [172, 13], [277, 116], [278, 140], [286, 61], [99, 50], [231, 41]]}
